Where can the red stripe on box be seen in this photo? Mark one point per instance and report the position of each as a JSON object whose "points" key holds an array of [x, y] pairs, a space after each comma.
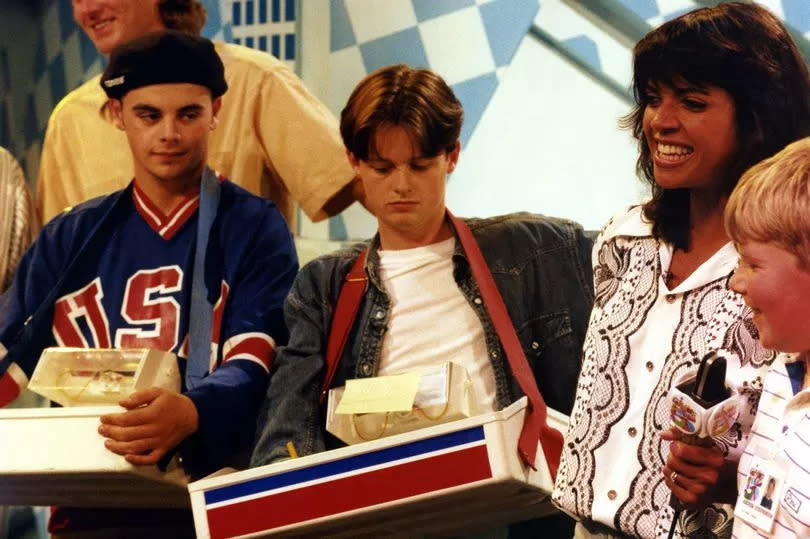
{"points": [[348, 493]]}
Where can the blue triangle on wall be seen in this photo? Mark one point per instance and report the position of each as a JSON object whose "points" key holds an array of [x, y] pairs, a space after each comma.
{"points": [[506, 23]]}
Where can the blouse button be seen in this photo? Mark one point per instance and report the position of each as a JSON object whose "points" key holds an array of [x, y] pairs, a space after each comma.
{"points": [[535, 345], [365, 368], [477, 301], [494, 354], [379, 314], [650, 366], [671, 298], [612, 494], [632, 432]]}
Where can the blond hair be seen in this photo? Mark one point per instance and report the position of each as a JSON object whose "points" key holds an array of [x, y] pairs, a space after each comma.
{"points": [[771, 202]]}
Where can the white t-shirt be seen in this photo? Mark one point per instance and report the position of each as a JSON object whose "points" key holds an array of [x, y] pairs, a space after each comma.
{"points": [[431, 321]]}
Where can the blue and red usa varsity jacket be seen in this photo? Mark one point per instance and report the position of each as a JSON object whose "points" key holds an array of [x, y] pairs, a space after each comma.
{"points": [[115, 272]]}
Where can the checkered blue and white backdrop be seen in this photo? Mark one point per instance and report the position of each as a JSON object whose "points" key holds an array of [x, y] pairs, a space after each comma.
{"points": [[471, 43]]}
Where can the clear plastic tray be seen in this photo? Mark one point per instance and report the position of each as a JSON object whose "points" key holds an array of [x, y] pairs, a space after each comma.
{"points": [[95, 376]]}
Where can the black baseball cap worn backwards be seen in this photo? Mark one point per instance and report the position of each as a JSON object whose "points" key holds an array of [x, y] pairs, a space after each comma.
{"points": [[161, 58]]}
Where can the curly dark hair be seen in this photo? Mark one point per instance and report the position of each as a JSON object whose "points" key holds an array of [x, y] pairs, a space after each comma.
{"points": [[743, 49], [187, 16]]}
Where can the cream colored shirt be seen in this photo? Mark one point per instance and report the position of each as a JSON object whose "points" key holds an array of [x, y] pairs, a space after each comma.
{"points": [[273, 138]]}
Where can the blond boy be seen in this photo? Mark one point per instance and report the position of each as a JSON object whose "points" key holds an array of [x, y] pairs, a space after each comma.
{"points": [[768, 218]]}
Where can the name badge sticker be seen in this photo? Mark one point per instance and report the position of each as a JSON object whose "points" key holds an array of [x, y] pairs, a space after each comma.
{"points": [[761, 493]]}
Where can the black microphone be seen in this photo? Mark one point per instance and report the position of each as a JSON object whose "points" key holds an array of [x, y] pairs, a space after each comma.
{"points": [[702, 407]]}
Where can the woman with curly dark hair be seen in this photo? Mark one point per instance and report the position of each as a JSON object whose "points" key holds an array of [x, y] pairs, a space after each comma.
{"points": [[717, 90]]}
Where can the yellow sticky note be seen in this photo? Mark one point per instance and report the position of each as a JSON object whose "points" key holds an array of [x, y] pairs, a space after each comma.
{"points": [[394, 393]]}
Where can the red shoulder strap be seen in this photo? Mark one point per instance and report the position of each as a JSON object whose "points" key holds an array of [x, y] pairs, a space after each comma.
{"points": [[351, 294], [535, 425]]}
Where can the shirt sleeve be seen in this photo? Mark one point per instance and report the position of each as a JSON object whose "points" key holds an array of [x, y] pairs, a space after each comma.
{"points": [[22, 338], [293, 127], [251, 328], [292, 411], [12, 317]]}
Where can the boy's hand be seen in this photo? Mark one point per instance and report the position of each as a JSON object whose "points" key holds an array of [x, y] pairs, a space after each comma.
{"points": [[155, 422], [702, 474]]}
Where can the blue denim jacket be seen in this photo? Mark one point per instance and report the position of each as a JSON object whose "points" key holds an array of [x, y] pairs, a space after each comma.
{"points": [[541, 266]]}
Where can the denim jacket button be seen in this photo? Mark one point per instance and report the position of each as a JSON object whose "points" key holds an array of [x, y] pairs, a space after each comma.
{"points": [[365, 368], [477, 301]]}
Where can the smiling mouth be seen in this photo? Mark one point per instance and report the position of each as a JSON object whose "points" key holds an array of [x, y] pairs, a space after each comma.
{"points": [[672, 153], [101, 25]]}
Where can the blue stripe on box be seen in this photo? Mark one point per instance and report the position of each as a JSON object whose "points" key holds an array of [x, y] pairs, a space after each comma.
{"points": [[382, 456]]}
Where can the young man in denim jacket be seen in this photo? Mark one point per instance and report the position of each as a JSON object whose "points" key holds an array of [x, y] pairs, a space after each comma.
{"points": [[422, 305]]}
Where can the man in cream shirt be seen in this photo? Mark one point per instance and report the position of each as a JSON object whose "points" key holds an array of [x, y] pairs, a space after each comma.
{"points": [[274, 137]]}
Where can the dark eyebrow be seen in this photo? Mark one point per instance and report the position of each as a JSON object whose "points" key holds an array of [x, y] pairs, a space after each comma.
{"points": [[191, 108], [378, 160], [683, 90], [146, 108]]}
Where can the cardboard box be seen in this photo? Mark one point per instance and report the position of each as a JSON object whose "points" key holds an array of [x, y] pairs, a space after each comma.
{"points": [[55, 456], [442, 479]]}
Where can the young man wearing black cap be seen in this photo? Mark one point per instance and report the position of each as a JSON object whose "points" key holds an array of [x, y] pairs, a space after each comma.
{"points": [[180, 261]]}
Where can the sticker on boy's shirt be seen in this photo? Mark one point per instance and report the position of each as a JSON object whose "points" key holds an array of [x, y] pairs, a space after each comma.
{"points": [[761, 493]]}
